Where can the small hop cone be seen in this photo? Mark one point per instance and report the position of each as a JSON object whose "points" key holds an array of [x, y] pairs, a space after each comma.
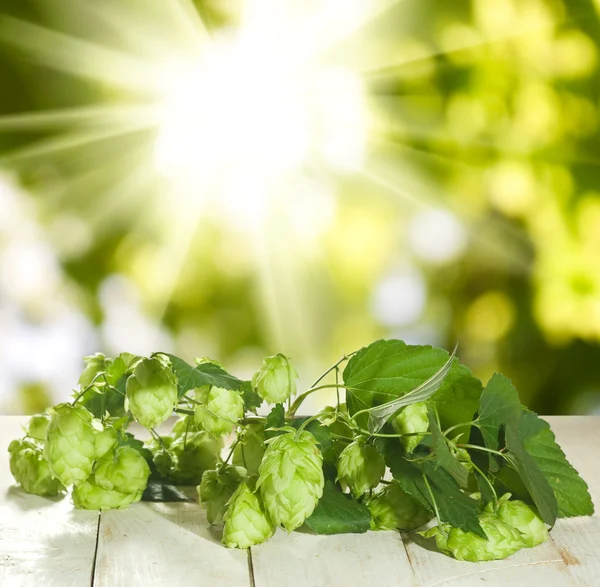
{"points": [[249, 452], [275, 381], [37, 427], [291, 478], [216, 489], [31, 470], [70, 446], [246, 521], [151, 392], [411, 420], [119, 480], [94, 364], [220, 411], [193, 455], [360, 467], [393, 509], [503, 540], [521, 516]]}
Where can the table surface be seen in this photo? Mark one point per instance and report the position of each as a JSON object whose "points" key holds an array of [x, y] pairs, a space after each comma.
{"points": [[46, 542]]}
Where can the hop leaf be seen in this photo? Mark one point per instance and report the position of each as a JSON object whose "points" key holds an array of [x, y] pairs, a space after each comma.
{"points": [[275, 381], [249, 451], [246, 521], [410, 420], [393, 509], [291, 478], [519, 515], [360, 467], [70, 446], [31, 470], [220, 411], [216, 489], [503, 540]]}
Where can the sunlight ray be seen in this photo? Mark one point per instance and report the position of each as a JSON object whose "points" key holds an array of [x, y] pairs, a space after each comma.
{"points": [[76, 56]]}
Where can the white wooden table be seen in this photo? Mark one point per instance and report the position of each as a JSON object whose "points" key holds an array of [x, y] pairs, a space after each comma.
{"points": [[47, 542]]}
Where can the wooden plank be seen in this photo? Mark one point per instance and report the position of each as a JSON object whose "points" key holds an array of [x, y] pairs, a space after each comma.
{"points": [[168, 544], [43, 542], [578, 539], [343, 560]]}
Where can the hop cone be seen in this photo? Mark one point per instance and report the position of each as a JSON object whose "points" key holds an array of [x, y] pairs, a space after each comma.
{"points": [[220, 411], [94, 364], [31, 470], [188, 458], [246, 521], [521, 516], [70, 446], [216, 488], [291, 478], [393, 509], [275, 381], [38, 426], [151, 392], [249, 452], [413, 418], [503, 540], [360, 467], [90, 496]]}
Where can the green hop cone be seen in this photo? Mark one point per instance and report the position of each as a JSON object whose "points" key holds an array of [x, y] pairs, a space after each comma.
{"points": [[291, 478], [151, 392], [31, 470], [360, 467], [412, 419], [246, 521], [38, 426], [216, 488], [220, 411], [249, 451], [70, 446], [503, 540], [393, 509], [105, 440], [94, 364], [521, 516], [90, 496], [191, 456], [275, 381]]}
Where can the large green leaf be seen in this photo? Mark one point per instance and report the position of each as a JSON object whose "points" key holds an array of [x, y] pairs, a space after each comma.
{"points": [[189, 377], [443, 456], [388, 369], [499, 404], [423, 480], [338, 513], [570, 490]]}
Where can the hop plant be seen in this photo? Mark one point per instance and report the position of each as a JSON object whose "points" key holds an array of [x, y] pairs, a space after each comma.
{"points": [[249, 451], [94, 364], [411, 420], [70, 446], [275, 381], [291, 478], [519, 515], [184, 425], [360, 467], [246, 521], [393, 509], [220, 411], [216, 488], [37, 427], [503, 540], [151, 392], [31, 470]]}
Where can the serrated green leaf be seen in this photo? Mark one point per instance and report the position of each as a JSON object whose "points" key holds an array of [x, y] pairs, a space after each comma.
{"points": [[443, 456], [189, 377], [275, 419], [499, 404], [570, 490], [338, 513], [455, 507], [252, 401], [533, 478], [389, 369]]}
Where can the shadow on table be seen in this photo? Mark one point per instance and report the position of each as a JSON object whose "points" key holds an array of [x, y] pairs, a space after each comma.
{"points": [[26, 501]]}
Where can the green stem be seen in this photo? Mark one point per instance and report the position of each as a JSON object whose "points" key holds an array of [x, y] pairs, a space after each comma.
{"points": [[298, 401], [158, 437], [433, 502], [182, 411], [446, 432], [482, 448], [307, 422], [230, 453]]}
